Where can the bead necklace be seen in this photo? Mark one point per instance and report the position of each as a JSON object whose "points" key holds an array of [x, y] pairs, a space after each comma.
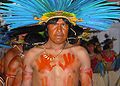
{"points": [[21, 51], [46, 55]]}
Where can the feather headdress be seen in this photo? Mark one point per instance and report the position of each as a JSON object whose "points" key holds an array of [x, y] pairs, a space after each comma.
{"points": [[95, 14]]}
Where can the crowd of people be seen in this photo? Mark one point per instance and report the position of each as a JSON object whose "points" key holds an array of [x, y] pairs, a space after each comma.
{"points": [[102, 52], [104, 61], [45, 47]]}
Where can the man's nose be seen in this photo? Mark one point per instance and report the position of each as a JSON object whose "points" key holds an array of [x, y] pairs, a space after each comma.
{"points": [[59, 28]]}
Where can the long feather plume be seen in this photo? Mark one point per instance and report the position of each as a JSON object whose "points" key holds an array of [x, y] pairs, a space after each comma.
{"points": [[96, 14]]}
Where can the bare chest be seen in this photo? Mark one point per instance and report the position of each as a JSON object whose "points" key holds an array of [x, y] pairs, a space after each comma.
{"points": [[57, 71], [50, 61]]}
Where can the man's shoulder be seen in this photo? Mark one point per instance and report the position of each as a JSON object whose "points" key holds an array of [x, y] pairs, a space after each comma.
{"points": [[10, 50], [80, 52], [35, 49], [10, 53], [33, 53], [78, 48]]}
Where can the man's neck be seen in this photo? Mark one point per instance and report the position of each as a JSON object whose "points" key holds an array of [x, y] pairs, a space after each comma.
{"points": [[55, 46]]}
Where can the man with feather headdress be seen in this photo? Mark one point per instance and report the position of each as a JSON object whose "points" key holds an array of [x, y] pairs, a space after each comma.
{"points": [[57, 62]]}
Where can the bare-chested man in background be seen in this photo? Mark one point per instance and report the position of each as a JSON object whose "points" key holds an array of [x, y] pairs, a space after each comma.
{"points": [[15, 50], [15, 67]]}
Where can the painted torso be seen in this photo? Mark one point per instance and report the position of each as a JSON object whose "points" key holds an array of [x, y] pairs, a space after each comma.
{"points": [[57, 71]]}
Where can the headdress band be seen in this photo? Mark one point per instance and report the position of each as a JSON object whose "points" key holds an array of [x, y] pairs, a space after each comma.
{"points": [[58, 14]]}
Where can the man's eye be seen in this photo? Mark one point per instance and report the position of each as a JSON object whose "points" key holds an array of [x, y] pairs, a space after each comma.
{"points": [[63, 25]]}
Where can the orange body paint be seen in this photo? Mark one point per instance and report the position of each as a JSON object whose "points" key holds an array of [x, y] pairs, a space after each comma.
{"points": [[68, 59], [88, 71], [45, 64]]}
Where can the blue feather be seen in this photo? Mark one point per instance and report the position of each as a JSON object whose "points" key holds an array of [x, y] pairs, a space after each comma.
{"points": [[21, 24], [27, 4], [47, 4], [18, 8], [100, 9], [100, 68], [88, 10], [81, 4], [43, 6], [94, 25], [52, 4], [96, 4], [5, 46], [38, 5], [65, 4]]}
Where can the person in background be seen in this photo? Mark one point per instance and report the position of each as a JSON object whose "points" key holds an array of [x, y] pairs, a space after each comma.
{"points": [[15, 50], [15, 67], [109, 55], [16, 38], [90, 48], [95, 51]]}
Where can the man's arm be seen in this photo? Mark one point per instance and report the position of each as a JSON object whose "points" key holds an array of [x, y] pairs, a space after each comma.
{"points": [[13, 68], [7, 58], [27, 70], [2, 65], [85, 69]]}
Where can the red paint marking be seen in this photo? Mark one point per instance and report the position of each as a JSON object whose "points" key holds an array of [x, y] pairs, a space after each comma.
{"points": [[68, 59], [88, 71], [45, 64]]}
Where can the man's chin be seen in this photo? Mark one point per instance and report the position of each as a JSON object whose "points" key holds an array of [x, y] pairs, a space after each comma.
{"points": [[59, 42]]}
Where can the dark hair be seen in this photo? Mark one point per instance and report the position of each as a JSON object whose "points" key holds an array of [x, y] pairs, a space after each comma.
{"points": [[96, 49], [107, 43], [32, 38], [26, 29], [54, 20]]}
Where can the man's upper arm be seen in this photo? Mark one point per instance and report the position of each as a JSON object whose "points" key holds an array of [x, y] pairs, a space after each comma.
{"points": [[13, 67], [27, 70], [85, 68], [84, 58]]}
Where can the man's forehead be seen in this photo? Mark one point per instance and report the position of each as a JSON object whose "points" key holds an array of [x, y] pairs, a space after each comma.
{"points": [[60, 21]]}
